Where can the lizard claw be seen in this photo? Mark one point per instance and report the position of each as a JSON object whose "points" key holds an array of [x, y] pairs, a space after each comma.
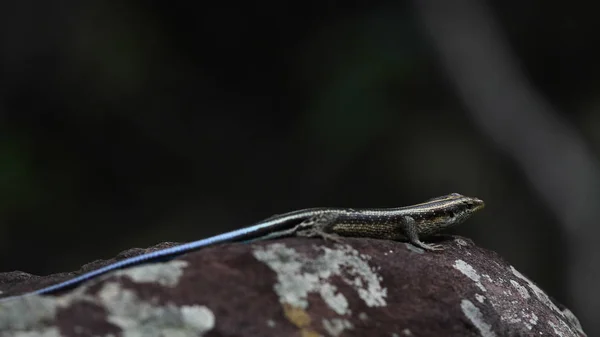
{"points": [[429, 247], [312, 232]]}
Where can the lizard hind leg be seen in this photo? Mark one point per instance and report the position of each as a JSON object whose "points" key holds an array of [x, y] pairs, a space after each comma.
{"points": [[318, 226]]}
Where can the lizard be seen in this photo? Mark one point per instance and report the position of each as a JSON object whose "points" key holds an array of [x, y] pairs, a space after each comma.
{"points": [[407, 223]]}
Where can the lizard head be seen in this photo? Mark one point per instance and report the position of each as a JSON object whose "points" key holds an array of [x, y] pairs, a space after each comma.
{"points": [[462, 207], [453, 208], [446, 211]]}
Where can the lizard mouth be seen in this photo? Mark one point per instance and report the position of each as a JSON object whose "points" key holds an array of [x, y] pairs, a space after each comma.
{"points": [[477, 204]]}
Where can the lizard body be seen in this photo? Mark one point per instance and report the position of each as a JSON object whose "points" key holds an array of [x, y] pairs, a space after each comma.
{"points": [[408, 223]]}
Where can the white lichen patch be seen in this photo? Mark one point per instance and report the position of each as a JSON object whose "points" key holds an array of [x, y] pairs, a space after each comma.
{"points": [[530, 320], [520, 289], [539, 293], [407, 332], [480, 298], [469, 272], [488, 278], [30, 313], [138, 318], [35, 315], [336, 326], [523, 316], [165, 274], [299, 275], [511, 300], [49, 332], [560, 326], [476, 317], [198, 317]]}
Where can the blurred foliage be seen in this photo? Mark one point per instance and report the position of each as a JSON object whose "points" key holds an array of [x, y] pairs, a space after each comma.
{"points": [[18, 189]]}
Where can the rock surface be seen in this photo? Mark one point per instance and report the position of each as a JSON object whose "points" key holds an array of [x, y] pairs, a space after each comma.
{"points": [[295, 287]]}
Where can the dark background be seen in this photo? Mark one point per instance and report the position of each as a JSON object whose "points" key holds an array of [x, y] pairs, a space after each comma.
{"points": [[127, 124]]}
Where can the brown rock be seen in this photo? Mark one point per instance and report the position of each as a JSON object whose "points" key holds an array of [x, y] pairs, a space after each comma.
{"points": [[297, 287]]}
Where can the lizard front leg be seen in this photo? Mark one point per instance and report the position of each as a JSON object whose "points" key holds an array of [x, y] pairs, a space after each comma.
{"points": [[409, 229]]}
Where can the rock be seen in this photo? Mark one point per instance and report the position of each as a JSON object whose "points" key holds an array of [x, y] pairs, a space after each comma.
{"points": [[295, 287]]}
